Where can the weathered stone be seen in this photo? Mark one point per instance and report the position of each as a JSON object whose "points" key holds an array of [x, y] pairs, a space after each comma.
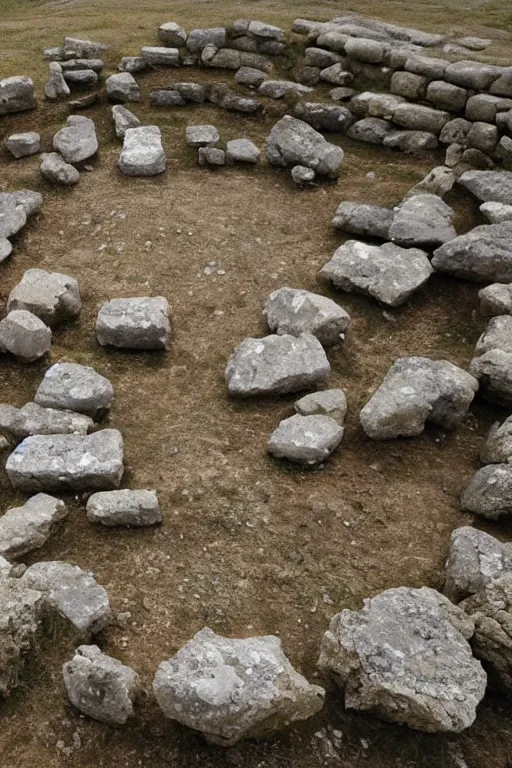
{"points": [[33, 419], [438, 181], [446, 96], [122, 87], [234, 689], [276, 89], [388, 273], [371, 130], [242, 151], [497, 448], [245, 43], [13, 215], [123, 119], [475, 559], [492, 363], [489, 186], [191, 92], [250, 77], [23, 529], [294, 142], [332, 40], [319, 57], [30, 201], [365, 220], [265, 31], [483, 136], [74, 387], [336, 74], [293, 311], [132, 508], [201, 136], [55, 53], [51, 296], [329, 402], [200, 38], [77, 141], [83, 48], [5, 248], [496, 299], [142, 153], [504, 151], [132, 64], [165, 98], [55, 169], [277, 365], [484, 254], [302, 176], [81, 77], [324, 117], [56, 87], [375, 104], [23, 144], [100, 686], [414, 391], [72, 594], [134, 323], [429, 67], [408, 85], [172, 34], [221, 58], [157, 56], [222, 96], [471, 74], [422, 220], [455, 132], [489, 493], [371, 51], [484, 107], [24, 335], [342, 93], [83, 102], [502, 86], [396, 56], [405, 658], [16, 95], [73, 65], [474, 43], [305, 440], [473, 158], [410, 142], [211, 156], [420, 118]]}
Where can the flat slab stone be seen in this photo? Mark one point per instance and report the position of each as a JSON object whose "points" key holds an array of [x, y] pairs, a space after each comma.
{"points": [[142, 153], [294, 311], [387, 272], [475, 559], [33, 419], [155, 55], [23, 529], [126, 507], [75, 387], [277, 365], [51, 296], [62, 462], [422, 221], [484, 254], [135, 323], [489, 186], [364, 220], [198, 136], [305, 440]]}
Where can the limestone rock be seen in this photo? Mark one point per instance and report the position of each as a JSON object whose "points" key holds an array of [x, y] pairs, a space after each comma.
{"points": [[211, 156], [277, 365], [51, 296], [83, 48], [250, 77], [293, 311], [74, 387], [33, 419], [489, 186], [16, 95], [371, 130], [329, 402], [23, 144], [172, 34], [495, 213], [446, 96], [364, 220], [142, 153], [132, 64], [23, 529], [294, 142], [492, 363], [496, 299], [222, 96], [242, 151], [475, 559], [276, 89], [159, 56], [234, 689], [201, 136], [302, 176], [56, 170], [410, 142], [123, 119], [200, 38], [336, 74], [132, 508], [489, 493], [24, 335], [420, 118], [497, 448], [135, 323], [484, 254], [422, 221], [408, 85], [166, 98], [82, 77], [56, 87], [324, 117], [428, 66], [122, 87], [438, 181], [471, 74], [414, 391], [305, 440]]}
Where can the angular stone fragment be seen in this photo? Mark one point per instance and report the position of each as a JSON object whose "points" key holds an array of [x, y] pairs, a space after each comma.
{"points": [[475, 559], [23, 144], [422, 221], [74, 387], [336, 74], [135, 323], [305, 440], [455, 132], [16, 95], [234, 689], [483, 254], [242, 151], [329, 402], [405, 658], [250, 77], [489, 493], [293, 311], [158, 56], [414, 391], [33, 419], [198, 136], [123, 119], [496, 299], [132, 508], [497, 448], [77, 141], [172, 34], [24, 335], [483, 136], [438, 181], [388, 273], [294, 142], [122, 87], [56, 87], [494, 186], [142, 153], [277, 365], [23, 529], [324, 117], [211, 156], [365, 220], [302, 176], [72, 593], [51, 296], [55, 169], [132, 64]]}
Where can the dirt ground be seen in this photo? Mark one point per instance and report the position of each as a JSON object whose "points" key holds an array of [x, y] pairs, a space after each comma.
{"points": [[248, 545]]}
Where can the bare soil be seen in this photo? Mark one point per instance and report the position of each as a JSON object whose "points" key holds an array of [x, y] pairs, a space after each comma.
{"points": [[248, 545]]}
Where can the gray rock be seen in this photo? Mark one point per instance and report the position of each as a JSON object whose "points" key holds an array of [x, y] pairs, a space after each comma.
{"points": [[211, 156], [302, 176], [76, 65], [276, 89], [266, 31], [166, 98], [16, 95], [489, 186], [132, 64], [250, 77], [319, 57], [502, 86], [172, 34], [222, 96], [408, 85], [405, 658], [371, 130], [475, 559], [191, 92], [410, 142], [13, 215], [504, 151], [484, 254], [305, 440], [83, 48], [471, 74], [77, 141], [422, 220], [245, 43], [474, 43], [489, 493], [200, 38], [446, 96], [234, 689], [122, 87], [23, 611], [497, 448], [142, 153], [483, 136], [495, 299], [277, 365], [74, 387], [414, 391], [72, 594], [242, 151], [388, 273], [363, 49], [132, 508], [158, 56], [5, 568], [51, 296], [134, 323], [23, 529], [30, 201], [80, 77], [294, 142], [123, 119], [55, 53], [221, 58], [324, 117], [293, 311], [55, 169], [474, 159], [56, 87], [23, 144], [420, 118], [427, 66], [438, 181], [198, 136], [5, 248], [100, 686], [484, 107], [24, 335], [336, 74], [329, 402], [33, 419], [455, 132], [365, 220], [331, 39], [342, 93], [83, 102], [492, 363]]}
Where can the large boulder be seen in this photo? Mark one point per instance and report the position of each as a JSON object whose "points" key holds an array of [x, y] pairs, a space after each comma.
{"points": [[294, 142], [100, 686], [414, 391], [67, 462], [492, 363], [305, 440], [75, 387], [471, 74], [489, 493], [234, 689], [23, 529], [294, 311], [16, 95], [135, 323], [484, 254], [277, 365], [364, 220], [33, 419], [51, 296], [142, 153], [422, 221], [475, 558], [126, 507], [387, 272], [405, 658]]}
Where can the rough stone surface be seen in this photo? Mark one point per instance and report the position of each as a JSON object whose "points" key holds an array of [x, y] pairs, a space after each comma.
{"points": [[388, 273], [365, 220], [77, 141], [74, 387], [72, 593], [211, 156], [446, 96], [166, 98], [51, 296], [250, 77], [371, 130], [483, 254], [56, 87], [489, 493], [242, 151], [16, 95], [24, 335], [329, 402], [305, 440], [324, 117], [207, 686], [158, 56], [489, 186], [55, 169], [293, 311], [471, 74], [33, 419], [123, 119], [411, 142], [483, 136], [420, 118], [302, 176], [475, 559], [23, 529], [135, 323], [492, 363], [172, 34], [82, 77], [455, 132], [496, 299], [132, 508], [405, 658], [198, 136], [83, 48], [408, 85], [142, 153], [422, 221], [276, 89], [132, 64], [23, 144], [277, 365], [294, 142], [200, 38], [414, 391], [438, 181], [122, 87], [222, 96]]}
